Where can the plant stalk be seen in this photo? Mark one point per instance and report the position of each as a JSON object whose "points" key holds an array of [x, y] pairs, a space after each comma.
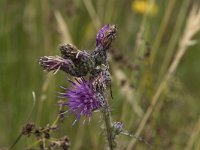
{"points": [[107, 120]]}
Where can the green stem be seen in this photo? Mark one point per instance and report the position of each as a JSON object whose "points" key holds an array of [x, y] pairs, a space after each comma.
{"points": [[34, 144], [55, 121], [174, 39], [15, 142], [107, 119]]}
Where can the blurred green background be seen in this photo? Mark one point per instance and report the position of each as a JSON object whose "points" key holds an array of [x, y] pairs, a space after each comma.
{"points": [[33, 28]]}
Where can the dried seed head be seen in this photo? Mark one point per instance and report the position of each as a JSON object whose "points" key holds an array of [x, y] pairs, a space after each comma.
{"points": [[28, 129], [38, 133], [65, 143]]}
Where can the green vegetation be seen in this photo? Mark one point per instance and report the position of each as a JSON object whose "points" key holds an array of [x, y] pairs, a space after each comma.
{"points": [[33, 28]]}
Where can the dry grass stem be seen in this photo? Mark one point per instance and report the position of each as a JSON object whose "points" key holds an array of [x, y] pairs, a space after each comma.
{"points": [[127, 91], [94, 17], [163, 26], [192, 27], [62, 28], [193, 136]]}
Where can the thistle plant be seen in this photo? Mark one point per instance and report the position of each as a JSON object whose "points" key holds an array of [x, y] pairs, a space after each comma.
{"points": [[79, 63], [89, 92]]}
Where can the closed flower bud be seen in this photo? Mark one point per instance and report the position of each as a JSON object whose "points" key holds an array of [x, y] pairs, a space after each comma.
{"points": [[105, 36]]}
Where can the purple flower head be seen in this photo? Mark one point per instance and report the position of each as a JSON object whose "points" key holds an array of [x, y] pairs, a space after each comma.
{"points": [[106, 35], [51, 63], [55, 63], [83, 100]]}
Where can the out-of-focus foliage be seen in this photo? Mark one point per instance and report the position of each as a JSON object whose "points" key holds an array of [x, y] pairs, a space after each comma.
{"points": [[146, 45], [144, 6]]}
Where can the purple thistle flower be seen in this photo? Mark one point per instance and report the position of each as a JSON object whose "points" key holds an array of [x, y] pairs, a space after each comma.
{"points": [[106, 35], [83, 100]]}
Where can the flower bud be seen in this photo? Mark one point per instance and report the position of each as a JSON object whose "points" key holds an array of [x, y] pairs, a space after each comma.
{"points": [[105, 36]]}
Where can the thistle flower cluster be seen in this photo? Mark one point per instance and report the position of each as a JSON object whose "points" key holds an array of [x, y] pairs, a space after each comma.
{"points": [[79, 63], [85, 96], [89, 92]]}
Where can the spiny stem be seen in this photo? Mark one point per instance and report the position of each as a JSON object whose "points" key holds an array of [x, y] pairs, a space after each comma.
{"points": [[107, 119]]}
